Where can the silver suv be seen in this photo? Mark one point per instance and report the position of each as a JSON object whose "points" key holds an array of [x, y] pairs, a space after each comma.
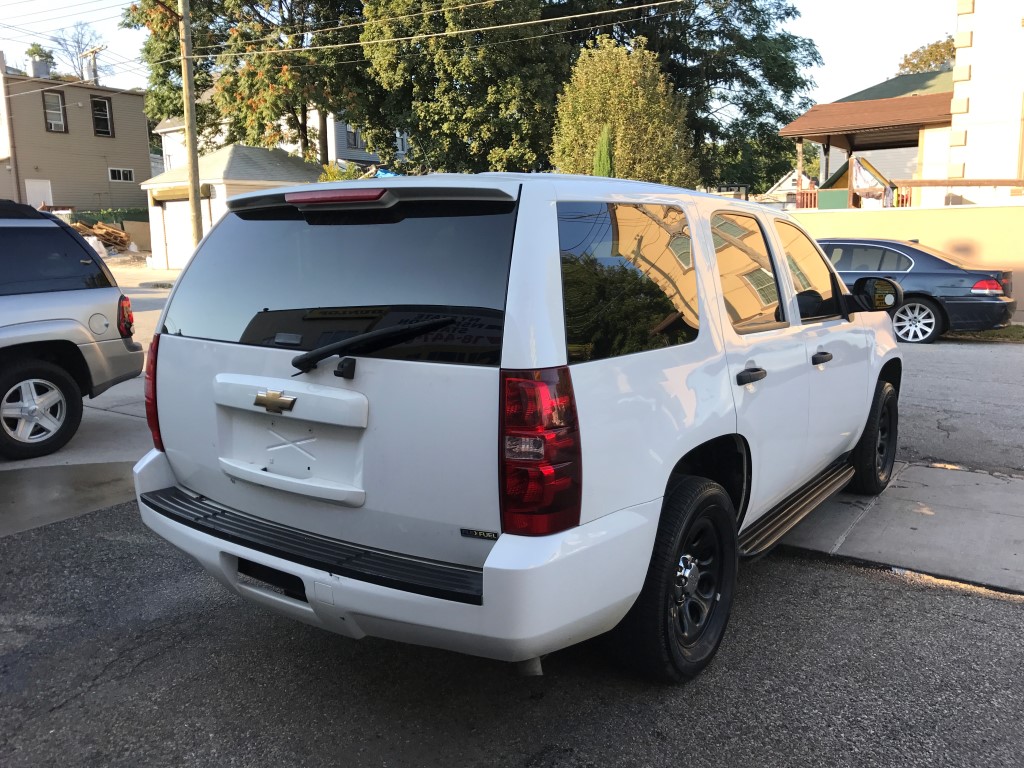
{"points": [[65, 331]]}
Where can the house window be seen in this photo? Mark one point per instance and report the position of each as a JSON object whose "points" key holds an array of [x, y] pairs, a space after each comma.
{"points": [[354, 139], [102, 116], [56, 114], [121, 174]]}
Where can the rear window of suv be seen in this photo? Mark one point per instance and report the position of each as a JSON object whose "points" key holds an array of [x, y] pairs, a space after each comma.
{"points": [[271, 277], [36, 257], [628, 282]]}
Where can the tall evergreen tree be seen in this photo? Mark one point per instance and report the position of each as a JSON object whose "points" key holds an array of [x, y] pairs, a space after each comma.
{"points": [[603, 155], [623, 87], [743, 75]]}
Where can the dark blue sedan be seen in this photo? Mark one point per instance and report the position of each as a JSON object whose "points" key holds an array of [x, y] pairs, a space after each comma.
{"points": [[941, 292]]}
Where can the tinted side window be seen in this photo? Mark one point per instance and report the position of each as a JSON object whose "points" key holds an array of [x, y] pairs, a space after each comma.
{"points": [[815, 290], [45, 258], [895, 262], [864, 258], [749, 284], [628, 282]]}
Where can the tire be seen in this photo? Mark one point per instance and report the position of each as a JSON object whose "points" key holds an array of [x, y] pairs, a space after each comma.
{"points": [[677, 623], [918, 321], [40, 409], [875, 454]]}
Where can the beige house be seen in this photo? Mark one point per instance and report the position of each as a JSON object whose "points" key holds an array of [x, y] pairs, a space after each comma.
{"points": [[965, 194], [229, 171], [73, 145]]}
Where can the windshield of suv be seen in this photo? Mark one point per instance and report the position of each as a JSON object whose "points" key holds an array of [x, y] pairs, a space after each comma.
{"points": [[270, 277]]}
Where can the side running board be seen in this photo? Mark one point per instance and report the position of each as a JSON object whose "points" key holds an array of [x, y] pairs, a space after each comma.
{"points": [[766, 532]]}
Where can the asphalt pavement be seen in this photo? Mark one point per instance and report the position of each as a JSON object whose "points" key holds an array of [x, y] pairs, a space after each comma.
{"points": [[118, 650]]}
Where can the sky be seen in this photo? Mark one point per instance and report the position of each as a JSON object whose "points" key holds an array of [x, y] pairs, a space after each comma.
{"points": [[861, 43]]}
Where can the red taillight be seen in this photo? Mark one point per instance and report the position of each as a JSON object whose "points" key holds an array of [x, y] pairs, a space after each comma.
{"points": [[987, 288], [152, 419], [540, 460], [125, 317], [324, 196]]}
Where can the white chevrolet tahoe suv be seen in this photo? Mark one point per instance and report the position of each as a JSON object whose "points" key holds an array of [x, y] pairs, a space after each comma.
{"points": [[502, 414]]}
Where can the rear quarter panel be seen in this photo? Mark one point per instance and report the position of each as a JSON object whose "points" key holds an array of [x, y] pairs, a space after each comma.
{"points": [[638, 413]]}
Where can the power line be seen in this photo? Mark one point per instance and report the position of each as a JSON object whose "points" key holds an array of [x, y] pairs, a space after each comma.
{"points": [[356, 24], [410, 55], [107, 7], [446, 33]]}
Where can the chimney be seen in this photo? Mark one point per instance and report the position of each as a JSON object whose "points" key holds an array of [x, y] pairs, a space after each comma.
{"points": [[39, 69]]}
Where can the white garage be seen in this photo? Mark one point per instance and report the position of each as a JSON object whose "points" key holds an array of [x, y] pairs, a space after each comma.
{"points": [[229, 171]]}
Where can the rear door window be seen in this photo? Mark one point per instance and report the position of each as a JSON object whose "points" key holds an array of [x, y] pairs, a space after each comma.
{"points": [[40, 256], [893, 261], [750, 285], [865, 258], [271, 277], [628, 282]]}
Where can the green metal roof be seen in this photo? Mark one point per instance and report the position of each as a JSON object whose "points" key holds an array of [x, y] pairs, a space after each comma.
{"points": [[906, 85]]}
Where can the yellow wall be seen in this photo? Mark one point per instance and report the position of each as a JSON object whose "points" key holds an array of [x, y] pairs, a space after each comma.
{"points": [[986, 236]]}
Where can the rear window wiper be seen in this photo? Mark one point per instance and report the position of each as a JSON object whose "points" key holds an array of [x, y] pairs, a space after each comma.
{"points": [[368, 342]]}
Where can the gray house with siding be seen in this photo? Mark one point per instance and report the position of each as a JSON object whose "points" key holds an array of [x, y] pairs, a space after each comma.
{"points": [[73, 145], [345, 142]]}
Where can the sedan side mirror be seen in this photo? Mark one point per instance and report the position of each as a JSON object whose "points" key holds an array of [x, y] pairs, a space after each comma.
{"points": [[876, 294]]}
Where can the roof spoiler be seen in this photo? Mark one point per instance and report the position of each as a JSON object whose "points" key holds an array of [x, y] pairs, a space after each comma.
{"points": [[326, 198]]}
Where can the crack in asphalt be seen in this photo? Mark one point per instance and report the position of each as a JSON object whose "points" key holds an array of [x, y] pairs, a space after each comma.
{"points": [[166, 643]]}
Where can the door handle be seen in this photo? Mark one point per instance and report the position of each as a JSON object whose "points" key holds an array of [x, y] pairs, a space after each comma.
{"points": [[750, 375], [820, 358]]}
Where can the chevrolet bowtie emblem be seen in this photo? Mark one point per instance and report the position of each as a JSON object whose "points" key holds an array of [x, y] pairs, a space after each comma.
{"points": [[274, 401]]}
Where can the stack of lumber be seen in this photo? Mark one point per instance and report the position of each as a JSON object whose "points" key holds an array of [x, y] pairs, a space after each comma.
{"points": [[105, 233]]}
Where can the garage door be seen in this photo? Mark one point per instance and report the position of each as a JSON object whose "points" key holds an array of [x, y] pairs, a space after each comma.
{"points": [[178, 231]]}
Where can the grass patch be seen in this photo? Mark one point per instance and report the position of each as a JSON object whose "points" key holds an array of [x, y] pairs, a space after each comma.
{"points": [[1011, 333]]}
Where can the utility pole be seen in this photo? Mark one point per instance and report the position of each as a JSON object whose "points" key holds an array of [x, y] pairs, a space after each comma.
{"points": [[185, 36], [90, 54]]}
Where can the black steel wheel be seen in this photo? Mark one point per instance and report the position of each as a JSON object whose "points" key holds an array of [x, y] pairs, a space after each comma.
{"points": [[40, 409], [677, 623], [875, 454]]}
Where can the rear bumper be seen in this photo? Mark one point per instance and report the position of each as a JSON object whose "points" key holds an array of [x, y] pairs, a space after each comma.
{"points": [[111, 362], [979, 313], [539, 594]]}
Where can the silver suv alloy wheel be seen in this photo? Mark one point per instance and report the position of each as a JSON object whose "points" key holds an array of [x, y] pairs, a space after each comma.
{"points": [[33, 410]]}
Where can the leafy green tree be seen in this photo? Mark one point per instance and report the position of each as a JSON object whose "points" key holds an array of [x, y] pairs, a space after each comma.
{"points": [[929, 58], [36, 51], [275, 69], [334, 172], [262, 65], [743, 75], [603, 155], [470, 102], [161, 54], [624, 88]]}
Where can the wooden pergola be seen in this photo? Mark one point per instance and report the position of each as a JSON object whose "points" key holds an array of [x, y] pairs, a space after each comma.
{"points": [[890, 123]]}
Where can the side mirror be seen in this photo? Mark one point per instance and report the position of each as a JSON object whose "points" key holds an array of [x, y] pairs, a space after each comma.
{"points": [[876, 294]]}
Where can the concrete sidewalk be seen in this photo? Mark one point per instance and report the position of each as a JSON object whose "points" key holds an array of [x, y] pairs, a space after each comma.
{"points": [[946, 522]]}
